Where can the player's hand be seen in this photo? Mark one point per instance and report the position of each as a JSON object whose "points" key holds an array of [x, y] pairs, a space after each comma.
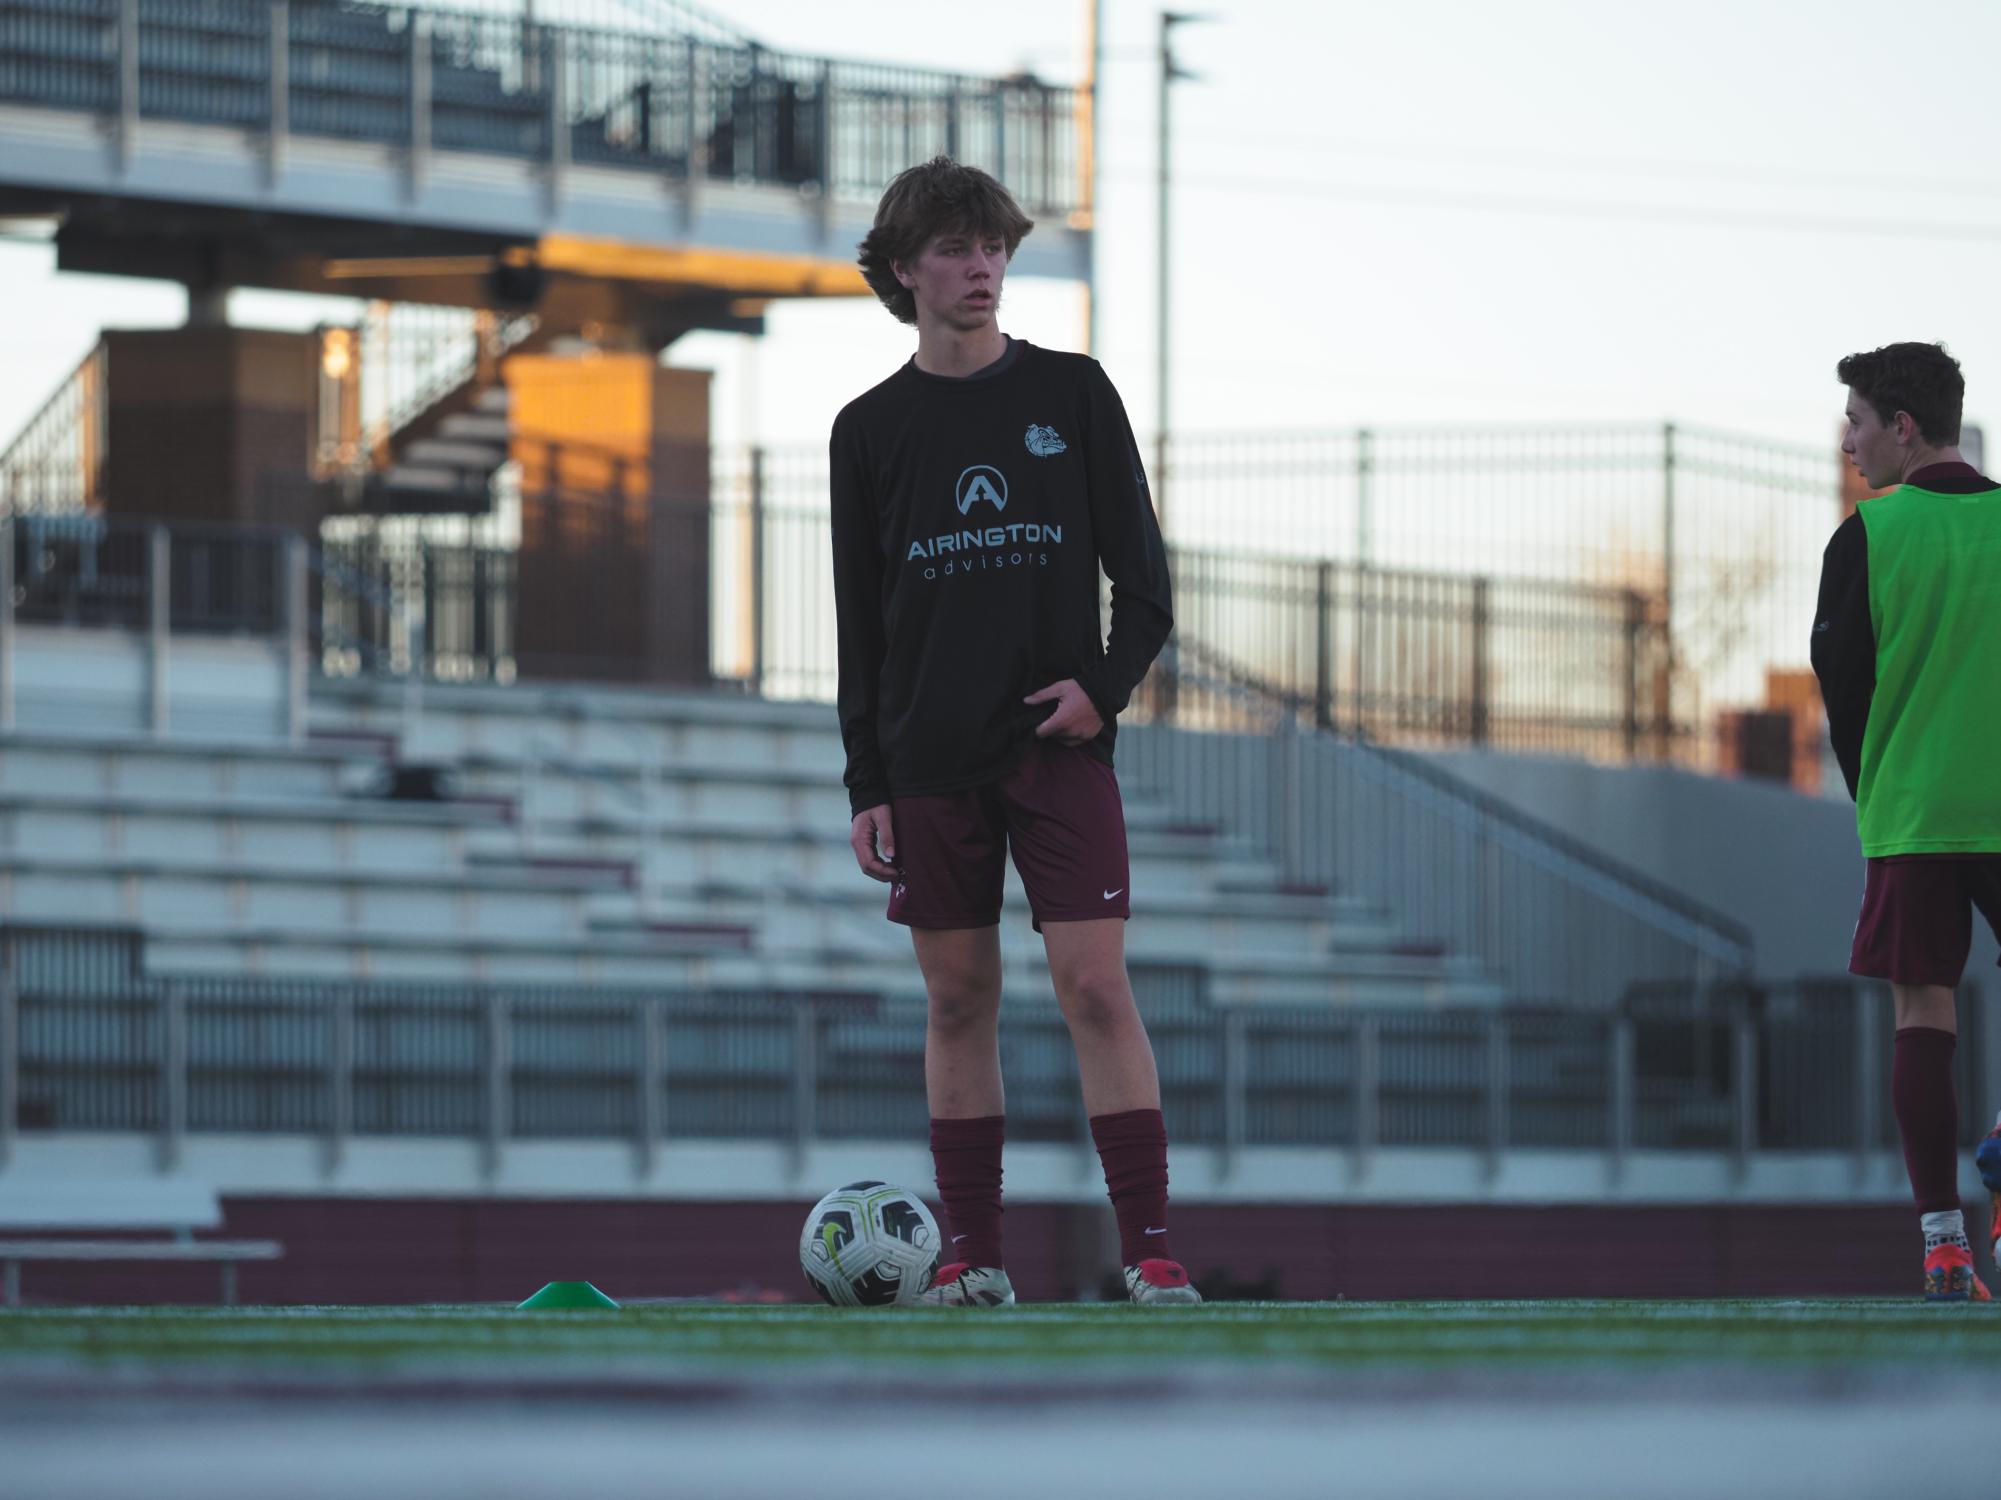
{"points": [[1075, 721], [874, 842]]}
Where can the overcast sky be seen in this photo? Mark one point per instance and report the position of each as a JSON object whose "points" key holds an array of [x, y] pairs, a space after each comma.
{"points": [[1434, 210]]}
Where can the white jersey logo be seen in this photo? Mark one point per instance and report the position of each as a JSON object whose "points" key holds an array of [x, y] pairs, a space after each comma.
{"points": [[1043, 441], [981, 482]]}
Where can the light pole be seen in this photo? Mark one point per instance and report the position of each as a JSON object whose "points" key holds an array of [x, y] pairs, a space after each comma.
{"points": [[1087, 134], [1169, 72]]}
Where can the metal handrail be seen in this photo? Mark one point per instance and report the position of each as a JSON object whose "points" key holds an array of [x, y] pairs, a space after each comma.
{"points": [[76, 411], [1730, 939], [1717, 945]]}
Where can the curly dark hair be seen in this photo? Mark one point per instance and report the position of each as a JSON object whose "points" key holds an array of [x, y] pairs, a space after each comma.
{"points": [[1921, 379], [924, 202]]}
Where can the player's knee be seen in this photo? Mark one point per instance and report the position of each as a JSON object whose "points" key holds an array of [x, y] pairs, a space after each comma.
{"points": [[1096, 998], [963, 1003]]}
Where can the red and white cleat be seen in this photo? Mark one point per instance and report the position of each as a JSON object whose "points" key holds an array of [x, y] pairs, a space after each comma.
{"points": [[1949, 1275], [1160, 1283], [961, 1285]]}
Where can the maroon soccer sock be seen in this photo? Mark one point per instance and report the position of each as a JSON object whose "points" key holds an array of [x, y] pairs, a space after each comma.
{"points": [[967, 1155], [1133, 1148], [1927, 1110]]}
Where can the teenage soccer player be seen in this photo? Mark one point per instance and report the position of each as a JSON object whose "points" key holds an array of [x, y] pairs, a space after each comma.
{"points": [[1907, 647], [976, 494]]}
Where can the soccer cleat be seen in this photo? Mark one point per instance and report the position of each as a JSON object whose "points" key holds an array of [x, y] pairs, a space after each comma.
{"points": [[1988, 1159], [1160, 1283], [961, 1285], [1949, 1275]]}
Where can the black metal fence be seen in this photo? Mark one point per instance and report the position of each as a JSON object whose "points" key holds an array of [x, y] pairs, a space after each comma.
{"points": [[1400, 656], [89, 570], [1730, 1068]]}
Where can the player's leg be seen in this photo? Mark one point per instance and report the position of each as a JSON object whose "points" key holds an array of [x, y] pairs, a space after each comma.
{"points": [[1122, 1098], [951, 851], [962, 988], [1983, 878], [1926, 1105], [1066, 829], [962, 1081], [1915, 928]]}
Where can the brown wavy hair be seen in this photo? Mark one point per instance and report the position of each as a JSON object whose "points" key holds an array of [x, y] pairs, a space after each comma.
{"points": [[936, 197], [1921, 379]]}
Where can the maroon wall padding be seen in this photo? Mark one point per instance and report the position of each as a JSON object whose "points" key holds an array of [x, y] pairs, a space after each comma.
{"points": [[390, 1250]]}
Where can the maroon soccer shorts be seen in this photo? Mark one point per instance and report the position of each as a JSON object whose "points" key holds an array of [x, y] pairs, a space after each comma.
{"points": [[1917, 916], [1058, 813]]}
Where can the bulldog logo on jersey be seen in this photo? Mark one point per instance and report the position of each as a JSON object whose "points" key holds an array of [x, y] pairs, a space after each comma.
{"points": [[981, 482], [1043, 441]]}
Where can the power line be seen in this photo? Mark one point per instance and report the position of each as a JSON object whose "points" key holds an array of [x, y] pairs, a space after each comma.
{"points": [[1693, 216], [1460, 154]]}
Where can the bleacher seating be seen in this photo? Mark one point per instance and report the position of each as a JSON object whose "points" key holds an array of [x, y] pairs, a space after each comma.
{"points": [[598, 837]]}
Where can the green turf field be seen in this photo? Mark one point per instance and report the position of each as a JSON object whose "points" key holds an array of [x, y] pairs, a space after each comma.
{"points": [[1324, 1336]]}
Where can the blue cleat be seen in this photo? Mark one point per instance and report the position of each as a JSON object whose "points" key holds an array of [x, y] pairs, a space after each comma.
{"points": [[1988, 1159]]}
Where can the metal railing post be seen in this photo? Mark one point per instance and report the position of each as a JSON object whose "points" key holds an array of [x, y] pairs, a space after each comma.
{"points": [[558, 117], [1984, 1056], [298, 600], [1365, 468], [499, 1065], [1497, 1092], [649, 1117], [805, 1080], [1289, 801], [159, 621], [1368, 1094], [1619, 1097], [173, 1077], [1868, 1103], [1234, 1074], [340, 1082], [1666, 700], [1323, 652], [1743, 1090], [696, 152], [279, 127], [1482, 640], [417, 165], [10, 1054], [1636, 613], [418, 649], [6, 624], [757, 590], [824, 156], [126, 132]]}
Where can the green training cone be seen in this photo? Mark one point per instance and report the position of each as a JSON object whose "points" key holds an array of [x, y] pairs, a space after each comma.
{"points": [[559, 1296]]}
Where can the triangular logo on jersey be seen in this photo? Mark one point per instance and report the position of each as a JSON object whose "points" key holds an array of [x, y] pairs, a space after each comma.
{"points": [[981, 482]]}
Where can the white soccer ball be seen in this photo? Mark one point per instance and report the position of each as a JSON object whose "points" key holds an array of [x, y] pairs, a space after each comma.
{"points": [[870, 1245]]}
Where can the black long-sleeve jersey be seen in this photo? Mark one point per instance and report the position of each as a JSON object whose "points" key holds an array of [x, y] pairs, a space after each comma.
{"points": [[971, 518]]}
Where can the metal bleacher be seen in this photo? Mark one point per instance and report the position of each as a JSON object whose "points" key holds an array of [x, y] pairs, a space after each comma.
{"points": [[644, 840], [243, 903], [484, 122]]}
